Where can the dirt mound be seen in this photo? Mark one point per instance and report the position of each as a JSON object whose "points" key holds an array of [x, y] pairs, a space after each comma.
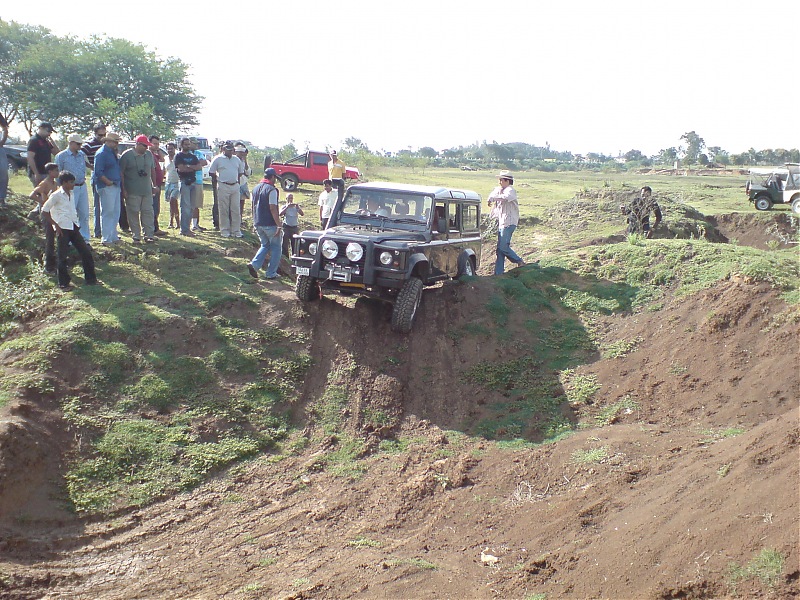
{"points": [[763, 231], [681, 476]]}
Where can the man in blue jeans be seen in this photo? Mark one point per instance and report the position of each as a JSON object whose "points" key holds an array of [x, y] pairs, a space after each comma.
{"points": [[505, 208], [187, 165], [267, 224]]}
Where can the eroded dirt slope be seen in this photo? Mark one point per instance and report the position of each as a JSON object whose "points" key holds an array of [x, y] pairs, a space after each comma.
{"points": [[698, 472]]}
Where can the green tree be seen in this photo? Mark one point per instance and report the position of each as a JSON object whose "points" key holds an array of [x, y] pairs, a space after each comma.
{"points": [[694, 146], [427, 152]]}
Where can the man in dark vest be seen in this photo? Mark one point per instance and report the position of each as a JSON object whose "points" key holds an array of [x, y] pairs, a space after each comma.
{"points": [[267, 225]]}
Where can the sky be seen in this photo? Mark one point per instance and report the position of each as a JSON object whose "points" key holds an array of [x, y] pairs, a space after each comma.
{"points": [[581, 76]]}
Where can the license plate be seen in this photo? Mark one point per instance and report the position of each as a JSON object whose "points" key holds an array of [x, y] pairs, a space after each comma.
{"points": [[303, 270]]}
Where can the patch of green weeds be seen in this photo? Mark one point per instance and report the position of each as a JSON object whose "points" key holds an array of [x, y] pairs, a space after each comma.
{"points": [[676, 369], [364, 542], [724, 470], [499, 310], [301, 582], [619, 348], [592, 456], [766, 566], [329, 409], [151, 390], [344, 461], [393, 446], [417, 563], [715, 435], [252, 587], [611, 413], [267, 562], [377, 417], [580, 389]]}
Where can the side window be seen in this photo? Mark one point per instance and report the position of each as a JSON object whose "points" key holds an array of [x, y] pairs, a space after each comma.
{"points": [[454, 217], [469, 221], [439, 214], [320, 159]]}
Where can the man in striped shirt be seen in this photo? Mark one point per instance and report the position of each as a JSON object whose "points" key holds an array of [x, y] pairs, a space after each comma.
{"points": [[73, 160]]}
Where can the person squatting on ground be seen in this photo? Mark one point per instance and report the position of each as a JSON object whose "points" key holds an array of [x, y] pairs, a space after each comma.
{"points": [[138, 177], [638, 212], [327, 200], [106, 176], [172, 191], [291, 213], [265, 221], [40, 150], [41, 193], [59, 213], [73, 160], [505, 209], [226, 170], [90, 149], [187, 165]]}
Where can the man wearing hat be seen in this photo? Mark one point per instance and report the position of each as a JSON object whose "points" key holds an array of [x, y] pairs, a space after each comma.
{"points": [[138, 177], [267, 223], [240, 150], [505, 208], [106, 176], [225, 171], [336, 171], [73, 160], [40, 150]]}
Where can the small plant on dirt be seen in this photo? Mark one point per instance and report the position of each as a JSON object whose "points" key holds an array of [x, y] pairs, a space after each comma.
{"points": [[609, 414], [585, 457], [580, 389], [442, 480], [539, 596], [716, 435], [418, 563], [300, 582], [636, 239], [676, 369], [773, 245], [766, 566], [620, 348], [267, 562], [364, 542], [724, 470]]}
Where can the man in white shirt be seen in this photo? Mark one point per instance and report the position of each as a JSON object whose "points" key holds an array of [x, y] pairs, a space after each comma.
{"points": [[327, 200], [505, 208], [225, 171], [172, 191], [59, 213]]}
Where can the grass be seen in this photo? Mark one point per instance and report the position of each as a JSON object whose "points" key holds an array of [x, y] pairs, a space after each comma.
{"points": [[766, 567], [364, 542], [610, 414], [592, 456], [417, 563], [580, 389]]}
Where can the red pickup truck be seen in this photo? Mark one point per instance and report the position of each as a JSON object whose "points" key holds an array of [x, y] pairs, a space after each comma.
{"points": [[311, 167]]}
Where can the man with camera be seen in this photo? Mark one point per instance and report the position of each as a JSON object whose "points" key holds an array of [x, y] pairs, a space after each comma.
{"points": [[138, 187], [41, 149], [291, 213], [187, 165]]}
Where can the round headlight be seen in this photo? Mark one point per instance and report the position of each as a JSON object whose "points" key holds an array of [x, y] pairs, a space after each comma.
{"points": [[312, 248], [329, 249], [386, 258], [354, 251]]}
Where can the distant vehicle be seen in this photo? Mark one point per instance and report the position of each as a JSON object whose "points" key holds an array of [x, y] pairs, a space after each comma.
{"points": [[389, 240], [310, 167], [17, 158], [204, 147], [774, 185], [468, 168]]}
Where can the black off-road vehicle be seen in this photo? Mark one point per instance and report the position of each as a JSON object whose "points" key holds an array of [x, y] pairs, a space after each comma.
{"points": [[389, 240]]}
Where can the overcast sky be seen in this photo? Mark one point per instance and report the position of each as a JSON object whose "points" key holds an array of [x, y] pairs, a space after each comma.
{"points": [[583, 76]]}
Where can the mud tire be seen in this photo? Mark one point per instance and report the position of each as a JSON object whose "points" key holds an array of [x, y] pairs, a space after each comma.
{"points": [[290, 182], [306, 288], [406, 305], [763, 202]]}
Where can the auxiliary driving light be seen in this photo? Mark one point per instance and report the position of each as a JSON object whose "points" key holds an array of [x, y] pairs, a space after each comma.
{"points": [[386, 258], [354, 251], [329, 249]]}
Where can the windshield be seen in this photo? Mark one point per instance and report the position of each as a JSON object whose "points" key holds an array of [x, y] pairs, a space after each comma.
{"points": [[395, 206]]}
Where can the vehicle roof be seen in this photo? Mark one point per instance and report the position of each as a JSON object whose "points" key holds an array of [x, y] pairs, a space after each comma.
{"points": [[431, 190], [769, 170]]}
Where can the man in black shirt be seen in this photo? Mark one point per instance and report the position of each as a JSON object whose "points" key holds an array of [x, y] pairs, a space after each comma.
{"points": [[187, 164], [639, 212], [41, 149]]}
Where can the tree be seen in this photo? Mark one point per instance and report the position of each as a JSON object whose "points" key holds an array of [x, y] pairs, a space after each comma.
{"points": [[634, 155], [667, 156], [694, 146], [75, 83], [427, 152]]}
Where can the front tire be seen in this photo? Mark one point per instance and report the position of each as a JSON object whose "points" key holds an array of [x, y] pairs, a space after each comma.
{"points": [[467, 268], [289, 182], [796, 206], [763, 202], [306, 288], [406, 305]]}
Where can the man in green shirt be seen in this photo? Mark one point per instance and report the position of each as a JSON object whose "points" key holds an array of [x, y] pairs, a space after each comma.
{"points": [[138, 187]]}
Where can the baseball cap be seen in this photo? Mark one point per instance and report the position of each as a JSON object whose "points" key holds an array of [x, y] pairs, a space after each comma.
{"points": [[47, 125], [269, 173], [227, 146], [142, 139], [74, 137]]}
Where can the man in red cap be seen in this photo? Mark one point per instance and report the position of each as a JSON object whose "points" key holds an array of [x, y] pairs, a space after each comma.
{"points": [[138, 187]]}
